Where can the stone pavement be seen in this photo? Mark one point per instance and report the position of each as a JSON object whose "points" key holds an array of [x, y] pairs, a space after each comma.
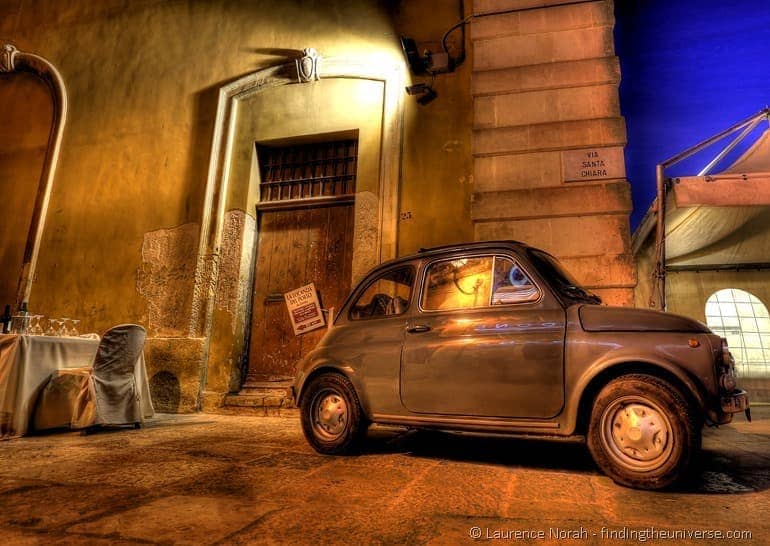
{"points": [[225, 479]]}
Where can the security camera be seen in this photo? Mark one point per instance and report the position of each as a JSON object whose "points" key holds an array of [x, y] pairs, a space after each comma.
{"points": [[418, 89]]}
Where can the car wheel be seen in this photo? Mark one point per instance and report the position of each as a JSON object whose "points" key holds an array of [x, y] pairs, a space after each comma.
{"points": [[332, 420], [643, 433]]}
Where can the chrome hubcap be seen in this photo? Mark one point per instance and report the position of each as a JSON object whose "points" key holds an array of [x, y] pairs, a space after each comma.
{"points": [[330, 415], [637, 433]]}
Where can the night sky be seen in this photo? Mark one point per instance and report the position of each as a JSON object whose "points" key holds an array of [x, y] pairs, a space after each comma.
{"points": [[690, 69]]}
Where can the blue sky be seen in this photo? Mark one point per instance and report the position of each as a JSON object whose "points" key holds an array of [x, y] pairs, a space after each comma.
{"points": [[690, 68]]}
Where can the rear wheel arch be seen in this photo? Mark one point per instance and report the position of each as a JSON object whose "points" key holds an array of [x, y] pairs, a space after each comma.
{"points": [[330, 368], [688, 387]]}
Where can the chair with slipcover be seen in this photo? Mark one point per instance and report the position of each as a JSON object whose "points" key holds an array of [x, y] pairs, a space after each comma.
{"points": [[104, 394]]}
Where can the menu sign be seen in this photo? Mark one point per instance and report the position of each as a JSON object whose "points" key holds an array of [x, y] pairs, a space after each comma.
{"points": [[304, 309], [593, 164]]}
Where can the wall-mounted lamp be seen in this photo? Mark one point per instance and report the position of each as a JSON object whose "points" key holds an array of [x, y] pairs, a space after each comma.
{"points": [[432, 63], [428, 62], [417, 63]]}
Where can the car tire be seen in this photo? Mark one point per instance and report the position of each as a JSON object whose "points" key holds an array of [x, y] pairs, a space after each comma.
{"points": [[332, 419], [643, 432]]}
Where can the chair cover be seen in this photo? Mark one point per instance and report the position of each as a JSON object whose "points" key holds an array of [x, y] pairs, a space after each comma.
{"points": [[58, 399], [106, 394]]}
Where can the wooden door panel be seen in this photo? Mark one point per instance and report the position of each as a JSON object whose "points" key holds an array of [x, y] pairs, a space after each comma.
{"points": [[295, 247], [266, 242], [330, 261], [315, 266]]}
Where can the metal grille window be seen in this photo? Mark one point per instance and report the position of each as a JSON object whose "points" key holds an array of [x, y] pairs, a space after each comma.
{"points": [[323, 169], [744, 321]]}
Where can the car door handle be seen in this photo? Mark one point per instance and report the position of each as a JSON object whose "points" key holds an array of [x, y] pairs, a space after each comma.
{"points": [[419, 329]]}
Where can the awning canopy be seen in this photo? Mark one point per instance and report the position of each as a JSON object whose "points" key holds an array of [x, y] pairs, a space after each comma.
{"points": [[745, 182], [720, 219]]}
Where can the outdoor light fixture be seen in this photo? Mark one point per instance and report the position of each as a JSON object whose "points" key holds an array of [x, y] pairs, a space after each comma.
{"points": [[417, 63], [428, 62], [432, 63]]}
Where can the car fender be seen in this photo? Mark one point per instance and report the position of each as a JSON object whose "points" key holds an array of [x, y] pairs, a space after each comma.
{"points": [[327, 365], [626, 362]]}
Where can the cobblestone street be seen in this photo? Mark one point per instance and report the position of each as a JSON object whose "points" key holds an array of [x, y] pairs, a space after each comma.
{"points": [[217, 479]]}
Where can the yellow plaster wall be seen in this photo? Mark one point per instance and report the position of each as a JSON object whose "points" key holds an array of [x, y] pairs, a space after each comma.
{"points": [[142, 80], [437, 172], [21, 164]]}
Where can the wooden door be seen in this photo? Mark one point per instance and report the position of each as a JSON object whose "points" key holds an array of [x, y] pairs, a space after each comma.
{"points": [[295, 247]]}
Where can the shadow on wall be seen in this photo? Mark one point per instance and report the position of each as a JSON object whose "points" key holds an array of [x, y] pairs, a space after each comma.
{"points": [[165, 392], [206, 102]]}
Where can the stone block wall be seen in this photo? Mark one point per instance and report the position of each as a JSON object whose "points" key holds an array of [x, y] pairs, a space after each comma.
{"points": [[174, 368], [548, 137]]}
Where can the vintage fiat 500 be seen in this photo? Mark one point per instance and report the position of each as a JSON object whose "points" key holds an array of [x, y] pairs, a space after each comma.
{"points": [[497, 337]]}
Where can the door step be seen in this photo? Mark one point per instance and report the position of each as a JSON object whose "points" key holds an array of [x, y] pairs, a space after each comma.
{"points": [[273, 398]]}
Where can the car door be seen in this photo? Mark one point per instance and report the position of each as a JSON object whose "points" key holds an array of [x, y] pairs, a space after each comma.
{"points": [[485, 340], [368, 336]]}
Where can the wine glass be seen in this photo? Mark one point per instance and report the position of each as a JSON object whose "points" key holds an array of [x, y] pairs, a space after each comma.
{"points": [[64, 330], [35, 326], [53, 327], [74, 330]]}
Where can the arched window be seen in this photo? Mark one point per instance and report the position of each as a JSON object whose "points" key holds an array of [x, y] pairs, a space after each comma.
{"points": [[744, 321]]}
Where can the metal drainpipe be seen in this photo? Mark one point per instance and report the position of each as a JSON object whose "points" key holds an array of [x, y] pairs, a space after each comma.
{"points": [[660, 237]]}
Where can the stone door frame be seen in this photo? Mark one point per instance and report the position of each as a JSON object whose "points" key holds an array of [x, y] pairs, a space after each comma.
{"points": [[220, 283]]}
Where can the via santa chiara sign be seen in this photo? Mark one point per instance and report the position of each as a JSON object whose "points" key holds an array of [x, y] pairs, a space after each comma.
{"points": [[593, 164], [304, 309]]}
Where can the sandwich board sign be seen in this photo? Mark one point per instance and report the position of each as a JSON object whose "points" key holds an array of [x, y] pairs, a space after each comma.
{"points": [[304, 309]]}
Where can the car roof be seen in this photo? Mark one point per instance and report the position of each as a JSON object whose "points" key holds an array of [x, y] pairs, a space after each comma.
{"points": [[458, 247]]}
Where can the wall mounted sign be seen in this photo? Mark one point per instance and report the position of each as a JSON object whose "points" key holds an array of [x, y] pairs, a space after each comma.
{"points": [[304, 309], [593, 164]]}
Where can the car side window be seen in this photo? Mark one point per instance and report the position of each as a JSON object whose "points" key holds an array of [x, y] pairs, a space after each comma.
{"points": [[468, 283], [388, 295], [464, 283]]}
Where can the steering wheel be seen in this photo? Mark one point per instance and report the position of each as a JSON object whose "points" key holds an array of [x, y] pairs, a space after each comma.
{"points": [[474, 290]]}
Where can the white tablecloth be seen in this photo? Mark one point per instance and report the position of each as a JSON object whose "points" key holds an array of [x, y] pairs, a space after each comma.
{"points": [[26, 363]]}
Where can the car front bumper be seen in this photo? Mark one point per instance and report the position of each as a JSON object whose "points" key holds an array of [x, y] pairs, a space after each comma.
{"points": [[735, 402]]}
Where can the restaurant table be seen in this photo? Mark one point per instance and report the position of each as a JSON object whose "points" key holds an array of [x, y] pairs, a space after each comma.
{"points": [[26, 364]]}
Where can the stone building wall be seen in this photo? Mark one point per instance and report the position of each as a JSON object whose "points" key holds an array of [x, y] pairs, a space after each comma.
{"points": [[548, 137]]}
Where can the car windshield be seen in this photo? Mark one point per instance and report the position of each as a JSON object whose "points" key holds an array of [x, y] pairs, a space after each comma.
{"points": [[561, 281]]}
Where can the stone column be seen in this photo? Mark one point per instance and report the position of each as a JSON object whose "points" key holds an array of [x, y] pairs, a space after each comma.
{"points": [[548, 137]]}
